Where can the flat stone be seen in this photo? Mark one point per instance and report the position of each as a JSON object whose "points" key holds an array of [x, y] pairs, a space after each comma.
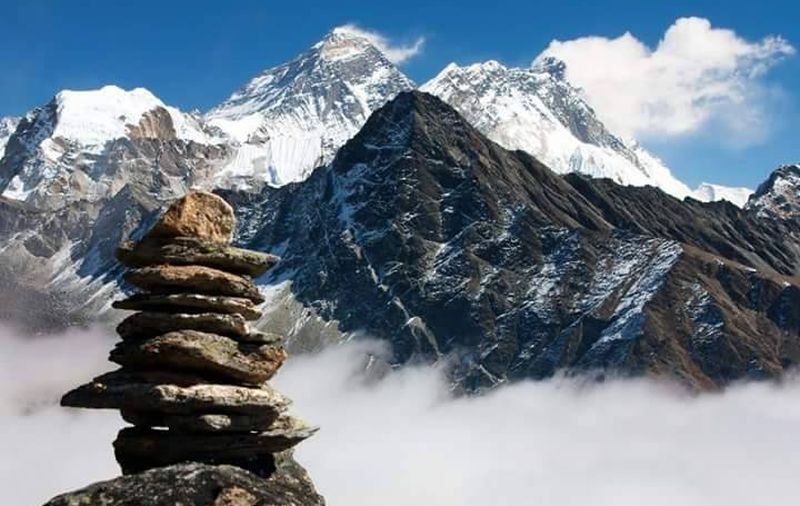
{"points": [[128, 391], [189, 303], [195, 279], [197, 214], [148, 324], [199, 423], [165, 447], [194, 251], [206, 354]]}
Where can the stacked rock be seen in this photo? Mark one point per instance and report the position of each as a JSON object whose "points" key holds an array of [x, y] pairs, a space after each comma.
{"points": [[193, 377]]}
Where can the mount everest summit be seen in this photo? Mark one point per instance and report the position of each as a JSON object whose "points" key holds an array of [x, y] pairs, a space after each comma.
{"points": [[297, 151], [292, 118]]}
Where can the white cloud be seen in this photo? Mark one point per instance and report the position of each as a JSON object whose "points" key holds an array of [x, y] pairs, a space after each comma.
{"points": [[396, 53], [697, 77], [404, 440], [46, 449]]}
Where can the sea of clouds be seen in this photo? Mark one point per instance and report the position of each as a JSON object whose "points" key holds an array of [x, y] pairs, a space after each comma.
{"points": [[403, 439]]}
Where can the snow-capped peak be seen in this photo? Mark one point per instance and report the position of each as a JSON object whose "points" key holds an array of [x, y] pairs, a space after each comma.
{"points": [[293, 117], [708, 192], [95, 117], [536, 110], [68, 143], [343, 43]]}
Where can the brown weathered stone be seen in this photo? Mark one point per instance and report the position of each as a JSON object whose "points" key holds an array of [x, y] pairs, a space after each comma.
{"points": [[189, 303], [120, 390], [235, 496], [197, 214], [203, 353], [199, 423], [194, 251], [146, 324], [193, 278]]}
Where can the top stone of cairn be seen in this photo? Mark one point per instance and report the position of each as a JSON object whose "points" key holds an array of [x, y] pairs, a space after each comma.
{"points": [[197, 214]]}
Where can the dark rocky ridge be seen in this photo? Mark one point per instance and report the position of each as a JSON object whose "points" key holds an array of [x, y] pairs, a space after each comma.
{"points": [[424, 233]]}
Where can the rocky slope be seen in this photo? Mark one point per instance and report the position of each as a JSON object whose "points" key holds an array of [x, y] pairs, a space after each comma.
{"points": [[779, 196], [424, 233], [292, 118]]}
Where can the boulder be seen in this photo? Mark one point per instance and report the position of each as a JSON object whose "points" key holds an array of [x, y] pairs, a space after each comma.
{"points": [[194, 484], [195, 279], [207, 354], [197, 214], [189, 303], [122, 390], [194, 251], [146, 324]]}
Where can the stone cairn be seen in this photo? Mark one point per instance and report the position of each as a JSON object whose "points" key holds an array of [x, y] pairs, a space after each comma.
{"points": [[193, 374]]}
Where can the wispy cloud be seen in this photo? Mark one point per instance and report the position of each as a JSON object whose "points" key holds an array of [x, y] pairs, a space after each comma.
{"points": [[698, 76], [396, 53]]}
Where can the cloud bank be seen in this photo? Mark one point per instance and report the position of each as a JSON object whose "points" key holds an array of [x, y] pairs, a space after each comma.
{"points": [[47, 450], [395, 53], [404, 440], [698, 76]]}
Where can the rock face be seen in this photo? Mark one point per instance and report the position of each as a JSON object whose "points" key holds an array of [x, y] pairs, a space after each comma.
{"points": [[196, 484], [192, 379]]}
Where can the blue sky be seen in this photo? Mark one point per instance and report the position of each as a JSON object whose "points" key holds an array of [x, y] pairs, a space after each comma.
{"points": [[193, 54]]}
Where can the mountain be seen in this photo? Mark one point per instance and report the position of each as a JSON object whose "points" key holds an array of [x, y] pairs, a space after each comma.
{"points": [[292, 118], [420, 230], [779, 196], [86, 169], [79, 174], [707, 192], [69, 149], [424, 233], [7, 127], [537, 110]]}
